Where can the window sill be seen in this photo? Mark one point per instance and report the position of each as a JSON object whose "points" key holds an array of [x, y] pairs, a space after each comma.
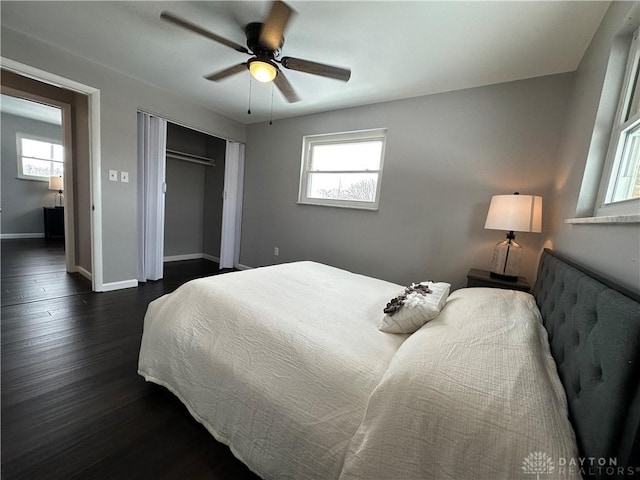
{"points": [[610, 219], [371, 208], [32, 178]]}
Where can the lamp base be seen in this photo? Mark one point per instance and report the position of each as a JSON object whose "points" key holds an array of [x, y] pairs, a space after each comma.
{"points": [[505, 263]]}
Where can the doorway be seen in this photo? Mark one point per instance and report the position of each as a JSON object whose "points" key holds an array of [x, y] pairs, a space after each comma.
{"points": [[64, 212], [87, 224]]}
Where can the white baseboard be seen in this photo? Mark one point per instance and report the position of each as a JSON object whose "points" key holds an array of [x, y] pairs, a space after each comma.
{"points": [[179, 258], [211, 258], [107, 287], [243, 267], [190, 256], [84, 272], [9, 236]]}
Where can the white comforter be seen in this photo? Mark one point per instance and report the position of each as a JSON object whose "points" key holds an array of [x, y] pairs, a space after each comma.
{"points": [[276, 362], [286, 365]]}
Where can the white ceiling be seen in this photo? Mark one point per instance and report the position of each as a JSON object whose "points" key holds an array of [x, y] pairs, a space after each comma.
{"points": [[395, 49], [28, 109]]}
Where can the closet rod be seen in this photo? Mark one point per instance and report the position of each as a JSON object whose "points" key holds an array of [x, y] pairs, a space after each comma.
{"points": [[188, 157]]}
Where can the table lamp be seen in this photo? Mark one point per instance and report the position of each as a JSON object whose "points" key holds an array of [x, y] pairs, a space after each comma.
{"points": [[56, 183], [514, 213]]}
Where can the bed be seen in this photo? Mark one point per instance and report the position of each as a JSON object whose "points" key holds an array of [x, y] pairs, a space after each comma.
{"points": [[286, 365]]}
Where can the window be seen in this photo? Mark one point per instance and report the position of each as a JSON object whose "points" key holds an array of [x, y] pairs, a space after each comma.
{"points": [[342, 169], [620, 188], [39, 158]]}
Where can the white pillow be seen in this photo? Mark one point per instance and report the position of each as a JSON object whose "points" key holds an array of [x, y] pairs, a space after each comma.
{"points": [[414, 306]]}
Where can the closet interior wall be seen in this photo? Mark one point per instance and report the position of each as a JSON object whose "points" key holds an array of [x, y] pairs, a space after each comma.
{"points": [[193, 200]]}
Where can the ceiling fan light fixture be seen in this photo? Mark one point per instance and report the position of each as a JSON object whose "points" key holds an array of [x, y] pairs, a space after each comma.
{"points": [[264, 41], [262, 71]]}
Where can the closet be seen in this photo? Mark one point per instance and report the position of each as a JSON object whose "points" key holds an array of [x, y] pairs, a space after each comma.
{"points": [[195, 170]]}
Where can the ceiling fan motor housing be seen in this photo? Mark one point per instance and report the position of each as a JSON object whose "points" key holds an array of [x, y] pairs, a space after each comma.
{"points": [[252, 30]]}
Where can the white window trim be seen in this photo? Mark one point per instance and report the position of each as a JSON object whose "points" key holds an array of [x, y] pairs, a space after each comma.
{"points": [[19, 137], [604, 207], [360, 135]]}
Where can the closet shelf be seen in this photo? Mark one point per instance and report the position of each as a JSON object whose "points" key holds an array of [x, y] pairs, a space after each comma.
{"points": [[188, 157]]}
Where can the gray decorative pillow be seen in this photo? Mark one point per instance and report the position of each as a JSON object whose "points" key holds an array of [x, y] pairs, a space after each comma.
{"points": [[414, 306]]}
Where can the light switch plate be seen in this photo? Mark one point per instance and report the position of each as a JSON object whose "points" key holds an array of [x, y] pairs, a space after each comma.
{"points": [[113, 175], [124, 177]]}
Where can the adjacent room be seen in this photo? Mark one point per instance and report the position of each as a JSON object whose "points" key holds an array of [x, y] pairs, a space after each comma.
{"points": [[320, 239]]}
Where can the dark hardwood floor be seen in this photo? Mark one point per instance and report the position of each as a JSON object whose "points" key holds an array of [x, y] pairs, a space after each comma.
{"points": [[73, 405]]}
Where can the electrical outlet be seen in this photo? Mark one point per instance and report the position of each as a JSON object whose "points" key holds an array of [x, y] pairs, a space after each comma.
{"points": [[113, 175], [124, 177], [276, 251]]}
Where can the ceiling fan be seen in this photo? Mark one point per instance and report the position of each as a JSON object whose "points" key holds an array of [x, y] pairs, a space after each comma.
{"points": [[264, 41]]}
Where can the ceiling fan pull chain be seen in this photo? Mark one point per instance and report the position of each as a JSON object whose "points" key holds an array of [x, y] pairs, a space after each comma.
{"points": [[249, 110], [271, 112]]}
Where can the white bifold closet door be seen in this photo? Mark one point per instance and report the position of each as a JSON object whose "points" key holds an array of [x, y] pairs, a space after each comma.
{"points": [[232, 205], [152, 146]]}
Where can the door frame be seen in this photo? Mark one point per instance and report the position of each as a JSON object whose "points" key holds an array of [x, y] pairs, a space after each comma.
{"points": [[93, 95]]}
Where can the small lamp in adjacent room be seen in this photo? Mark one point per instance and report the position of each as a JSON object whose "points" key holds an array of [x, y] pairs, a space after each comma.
{"points": [[514, 213], [56, 183]]}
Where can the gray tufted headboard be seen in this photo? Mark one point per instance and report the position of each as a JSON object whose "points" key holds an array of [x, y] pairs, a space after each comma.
{"points": [[594, 333]]}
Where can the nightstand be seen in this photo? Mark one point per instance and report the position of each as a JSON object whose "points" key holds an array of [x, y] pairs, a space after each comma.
{"points": [[482, 278], [53, 222]]}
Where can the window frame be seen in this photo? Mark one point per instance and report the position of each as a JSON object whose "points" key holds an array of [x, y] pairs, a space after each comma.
{"points": [[605, 205], [29, 136], [308, 141]]}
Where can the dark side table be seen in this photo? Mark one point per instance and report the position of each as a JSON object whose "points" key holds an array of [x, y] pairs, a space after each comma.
{"points": [[483, 278], [53, 222]]}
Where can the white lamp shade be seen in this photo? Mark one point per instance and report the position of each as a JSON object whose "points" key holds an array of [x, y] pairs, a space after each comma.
{"points": [[517, 213], [56, 183]]}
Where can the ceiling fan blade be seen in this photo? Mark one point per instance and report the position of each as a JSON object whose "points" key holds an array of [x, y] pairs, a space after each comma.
{"points": [[271, 35], [316, 68], [285, 88], [227, 72], [181, 22]]}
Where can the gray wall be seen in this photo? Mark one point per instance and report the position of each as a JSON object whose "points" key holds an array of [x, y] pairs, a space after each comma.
{"points": [[612, 250], [193, 202], [22, 200], [184, 208], [120, 98], [446, 155]]}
